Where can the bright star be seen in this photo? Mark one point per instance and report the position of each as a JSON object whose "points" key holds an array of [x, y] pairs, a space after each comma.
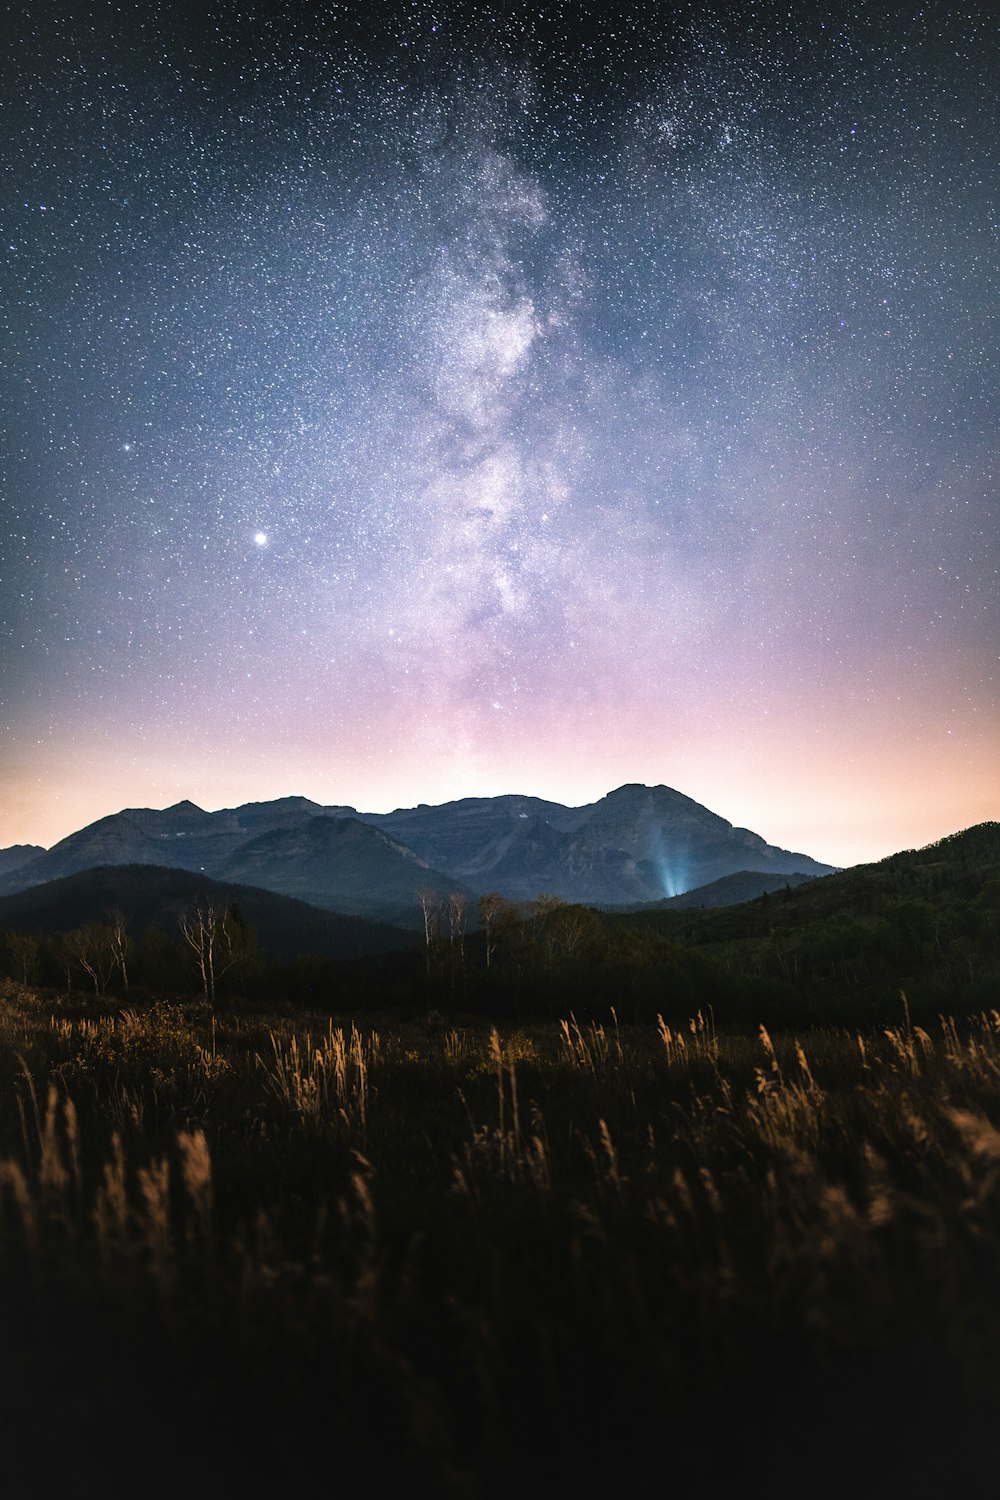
{"points": [[260, 537]]}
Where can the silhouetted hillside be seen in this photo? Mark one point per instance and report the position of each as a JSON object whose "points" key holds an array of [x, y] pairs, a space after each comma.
{"points": [[152, 896], [730, 890], [946, 873], [924, 921]]}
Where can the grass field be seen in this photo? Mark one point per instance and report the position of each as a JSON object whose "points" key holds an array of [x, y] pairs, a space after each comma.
{"points": [[298, 1256]]}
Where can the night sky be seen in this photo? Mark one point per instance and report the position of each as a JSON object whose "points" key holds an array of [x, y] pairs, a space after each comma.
{"points": [[502, 398]]}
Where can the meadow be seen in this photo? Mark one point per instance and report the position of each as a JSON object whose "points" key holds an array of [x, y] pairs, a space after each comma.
{"points": [[309, 1254]]}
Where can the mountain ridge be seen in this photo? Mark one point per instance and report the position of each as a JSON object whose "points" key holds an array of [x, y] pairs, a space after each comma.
{"points": [[634, 845]]}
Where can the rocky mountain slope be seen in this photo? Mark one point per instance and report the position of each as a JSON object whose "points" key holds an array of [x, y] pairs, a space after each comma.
{"points": [[17, 855], [637, 844], [342, 864]]}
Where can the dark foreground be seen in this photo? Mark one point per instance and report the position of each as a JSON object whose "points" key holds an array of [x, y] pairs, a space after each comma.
{"points": [[269, 1258]]}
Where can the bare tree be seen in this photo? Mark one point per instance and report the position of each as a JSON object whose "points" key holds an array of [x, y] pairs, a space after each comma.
{"points": [[92, 949], [496, 914], [574, 927], [24, 951], [456, 923], [562, 930], [218, 940], [455, 908], [432, 917], [62, 951], [120, 943]]}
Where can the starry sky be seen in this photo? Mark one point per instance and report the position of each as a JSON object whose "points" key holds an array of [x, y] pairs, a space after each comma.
{"points": [[479, 398]]}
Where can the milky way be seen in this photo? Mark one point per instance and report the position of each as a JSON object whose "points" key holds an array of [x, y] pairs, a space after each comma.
{"points": [[502, 399]]}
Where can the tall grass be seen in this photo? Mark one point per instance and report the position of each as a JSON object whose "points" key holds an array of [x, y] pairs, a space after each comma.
{"points": [[476, 1239], [325, 1080]]}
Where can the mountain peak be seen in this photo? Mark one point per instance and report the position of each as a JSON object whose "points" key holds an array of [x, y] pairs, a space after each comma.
{"points": [[637, 843], [658, 791], [287, 803]]}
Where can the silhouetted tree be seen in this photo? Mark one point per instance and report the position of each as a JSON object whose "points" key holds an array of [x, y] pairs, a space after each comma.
{"points": [[61, 953], [120, 943], [92, 949], [23, 949], [497, 915], [430, 908], [219, 938], [456, 923]]}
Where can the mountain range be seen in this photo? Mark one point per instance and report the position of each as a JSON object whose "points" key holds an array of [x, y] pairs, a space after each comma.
{"points": [[638, 844]]}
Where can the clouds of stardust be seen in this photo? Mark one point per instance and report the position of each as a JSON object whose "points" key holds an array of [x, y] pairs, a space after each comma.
{"points": [[531, 403]]}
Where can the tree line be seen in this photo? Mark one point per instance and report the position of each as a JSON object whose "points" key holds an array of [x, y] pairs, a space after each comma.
{"points": [[784, 959], [103, 957]]}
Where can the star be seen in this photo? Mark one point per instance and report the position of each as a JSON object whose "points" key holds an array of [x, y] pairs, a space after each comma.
{"points": [[642, 376]]}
